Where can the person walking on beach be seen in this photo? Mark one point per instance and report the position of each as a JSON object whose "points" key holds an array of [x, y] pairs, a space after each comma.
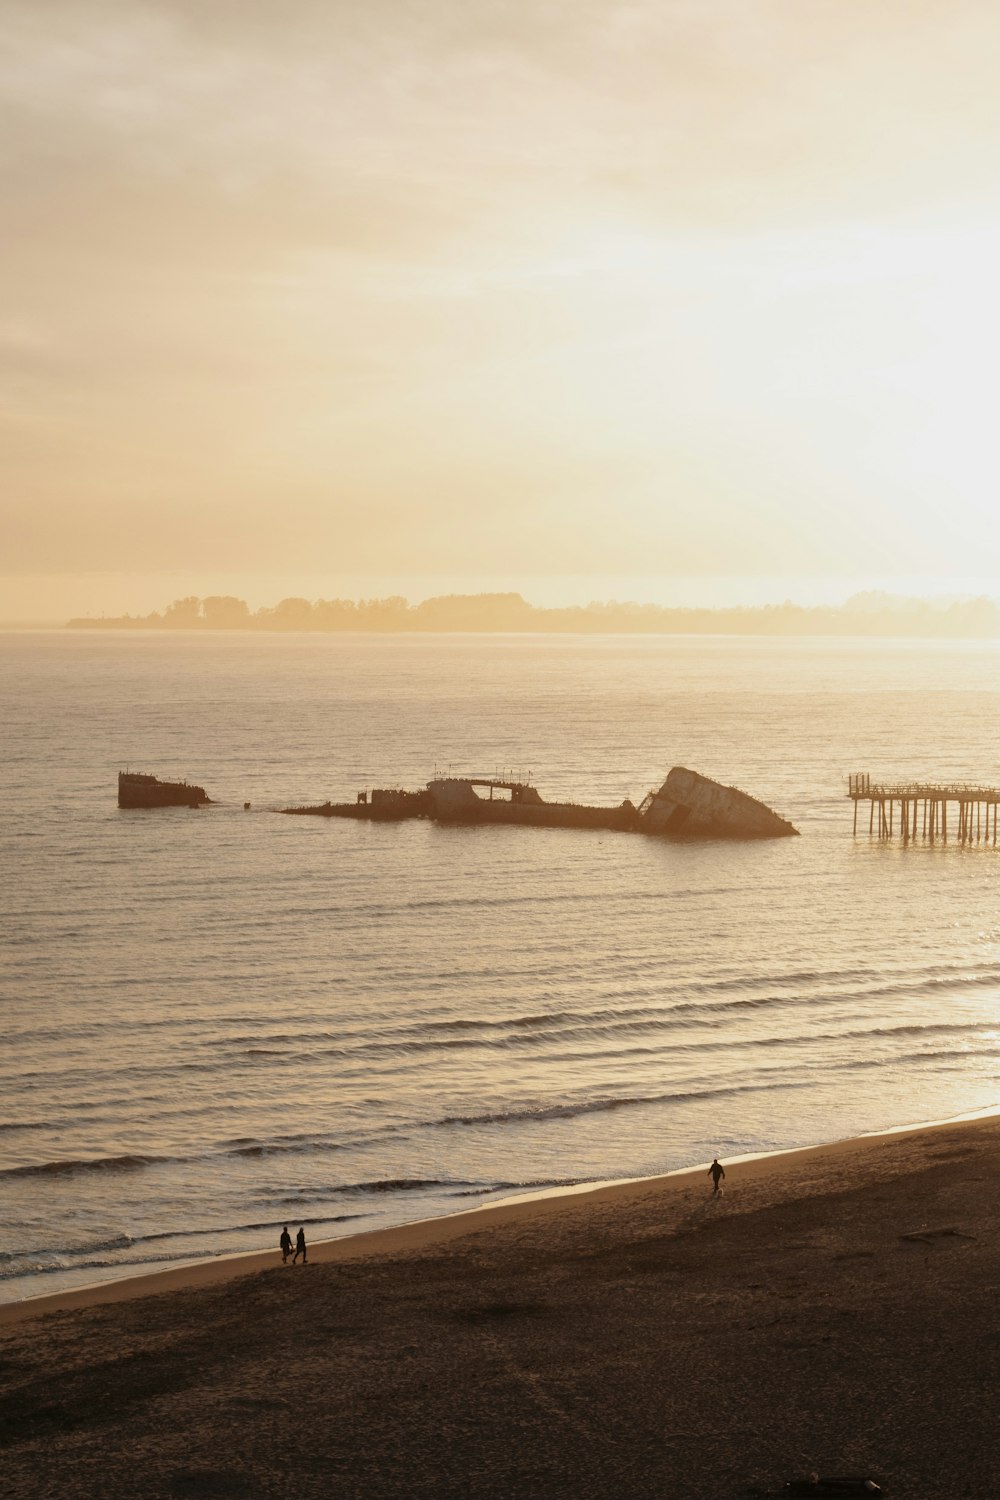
{"points": [[286, 1244], [300, 1246], [716, 1172]]}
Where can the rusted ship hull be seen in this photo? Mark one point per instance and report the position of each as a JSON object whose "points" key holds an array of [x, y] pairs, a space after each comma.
{"points": [[689, 805], [379, 807], [136, 790], [455, 801]]}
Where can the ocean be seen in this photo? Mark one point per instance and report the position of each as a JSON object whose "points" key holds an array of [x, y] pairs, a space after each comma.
{"points": [[216, 1022]]}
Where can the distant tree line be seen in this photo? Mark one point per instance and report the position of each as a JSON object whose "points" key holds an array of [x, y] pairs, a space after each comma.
{"points": [[863, 614]]}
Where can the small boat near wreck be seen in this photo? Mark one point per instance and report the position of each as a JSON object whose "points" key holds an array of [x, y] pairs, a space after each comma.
{"points": [[136, 789], [687, 805]]}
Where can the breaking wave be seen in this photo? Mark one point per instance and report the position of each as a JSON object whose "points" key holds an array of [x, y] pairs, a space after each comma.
{"points": [[70, 1167]]}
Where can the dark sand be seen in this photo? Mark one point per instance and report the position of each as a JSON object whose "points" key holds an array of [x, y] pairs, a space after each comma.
{"points": [[836, 1311]]}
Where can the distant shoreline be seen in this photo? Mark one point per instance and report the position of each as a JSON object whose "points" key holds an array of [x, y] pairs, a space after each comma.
{"points": [[862, 615]]}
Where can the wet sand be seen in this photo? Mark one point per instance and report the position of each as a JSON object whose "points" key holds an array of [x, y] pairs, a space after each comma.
{"points": [[836, 1311]]}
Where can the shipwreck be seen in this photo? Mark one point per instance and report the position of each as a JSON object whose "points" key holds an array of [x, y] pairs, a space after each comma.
{"points": [[690, 804], [687, 805], [136, 789]]}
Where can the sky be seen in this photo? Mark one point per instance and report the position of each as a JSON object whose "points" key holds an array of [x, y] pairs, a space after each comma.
{"points": [[686, 300]]}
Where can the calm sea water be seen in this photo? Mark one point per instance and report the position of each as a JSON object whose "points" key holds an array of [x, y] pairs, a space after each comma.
{"points": [[216, 1022]]}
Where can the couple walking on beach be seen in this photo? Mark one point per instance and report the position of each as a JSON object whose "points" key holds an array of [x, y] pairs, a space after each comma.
{"points": [[716, 1171], [286, 1246]]}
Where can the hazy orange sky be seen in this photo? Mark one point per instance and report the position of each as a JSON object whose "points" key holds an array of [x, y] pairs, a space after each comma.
{"points": [[698, 296]]}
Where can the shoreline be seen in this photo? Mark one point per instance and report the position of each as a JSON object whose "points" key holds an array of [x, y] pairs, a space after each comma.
{"points": [[835, 1312], [426, 1234]]}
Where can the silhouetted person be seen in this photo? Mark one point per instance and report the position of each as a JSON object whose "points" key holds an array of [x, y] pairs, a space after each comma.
{"points": [[300, 1246], [716, 1172], [286, 1244]]}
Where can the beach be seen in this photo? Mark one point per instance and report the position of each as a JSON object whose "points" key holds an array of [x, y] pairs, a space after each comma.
{"points": [[834, 1311]]}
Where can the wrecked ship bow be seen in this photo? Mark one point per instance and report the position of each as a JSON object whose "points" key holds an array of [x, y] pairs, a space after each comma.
{"points": [[691, 805]]}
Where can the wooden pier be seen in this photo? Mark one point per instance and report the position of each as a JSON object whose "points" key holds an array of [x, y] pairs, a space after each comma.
{"points": [[917, 809]]}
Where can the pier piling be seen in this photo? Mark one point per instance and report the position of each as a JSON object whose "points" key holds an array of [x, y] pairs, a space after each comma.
{"points": [[924, 806]]}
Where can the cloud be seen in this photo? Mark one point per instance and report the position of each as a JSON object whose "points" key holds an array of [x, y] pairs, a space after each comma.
{"points": [[628, 275], [720, 108]]}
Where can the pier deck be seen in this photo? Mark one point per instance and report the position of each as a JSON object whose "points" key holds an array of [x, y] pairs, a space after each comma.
{"points": [[918, 809]]}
